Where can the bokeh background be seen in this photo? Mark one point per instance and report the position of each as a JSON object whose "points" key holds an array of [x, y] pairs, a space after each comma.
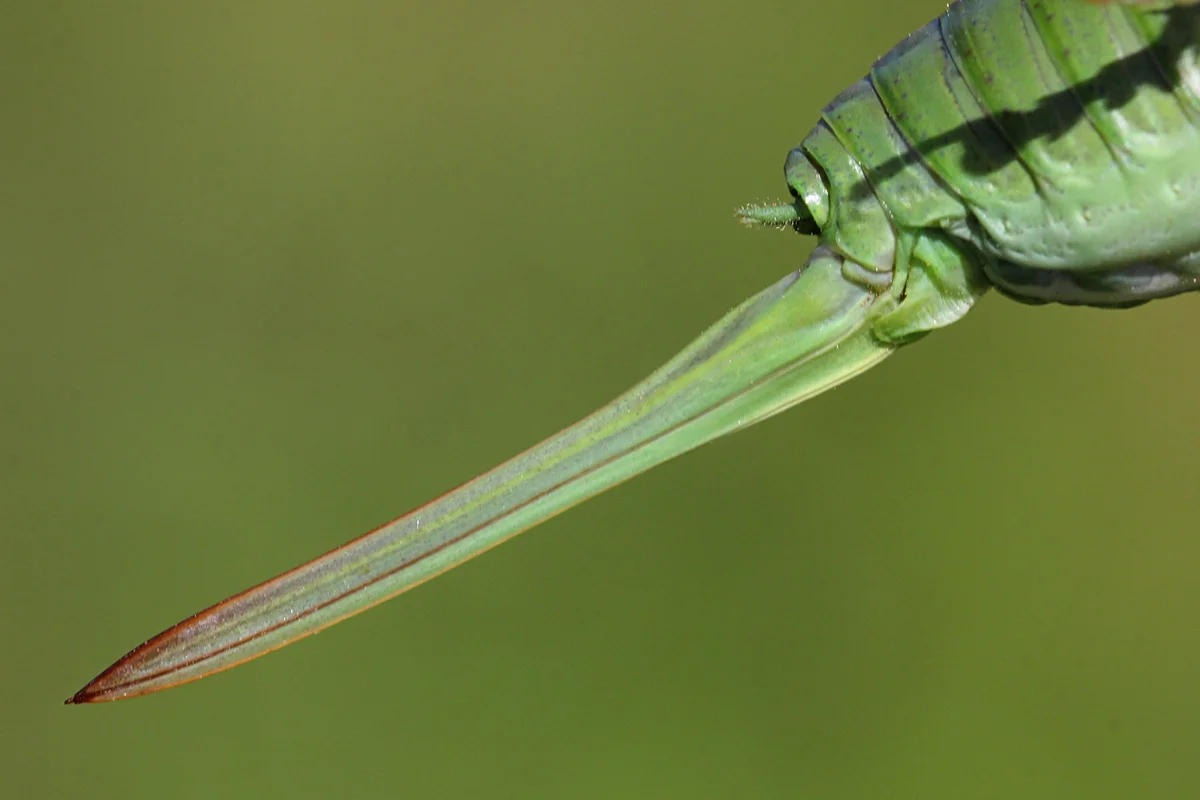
{"points": [[275, 272]]}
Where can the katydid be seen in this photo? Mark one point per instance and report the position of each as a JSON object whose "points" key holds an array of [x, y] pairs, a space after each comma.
{"points": [[1050, 150]]}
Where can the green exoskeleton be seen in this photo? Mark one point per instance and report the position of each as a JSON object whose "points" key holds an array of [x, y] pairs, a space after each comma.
{"points": [[1049, 149]]}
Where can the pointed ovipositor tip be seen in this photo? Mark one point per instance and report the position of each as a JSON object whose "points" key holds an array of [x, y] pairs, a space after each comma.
{"points": [[79, 698]]}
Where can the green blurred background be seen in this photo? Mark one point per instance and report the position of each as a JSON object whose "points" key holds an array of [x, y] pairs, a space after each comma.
{"points": [[275, 272]]}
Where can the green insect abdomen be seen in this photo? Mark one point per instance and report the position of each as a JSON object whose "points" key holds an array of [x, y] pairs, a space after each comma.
{"points": [[1053, 135]]}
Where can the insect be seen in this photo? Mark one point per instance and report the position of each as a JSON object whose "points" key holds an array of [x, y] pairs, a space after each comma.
{"points": [[1050, 150]]}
